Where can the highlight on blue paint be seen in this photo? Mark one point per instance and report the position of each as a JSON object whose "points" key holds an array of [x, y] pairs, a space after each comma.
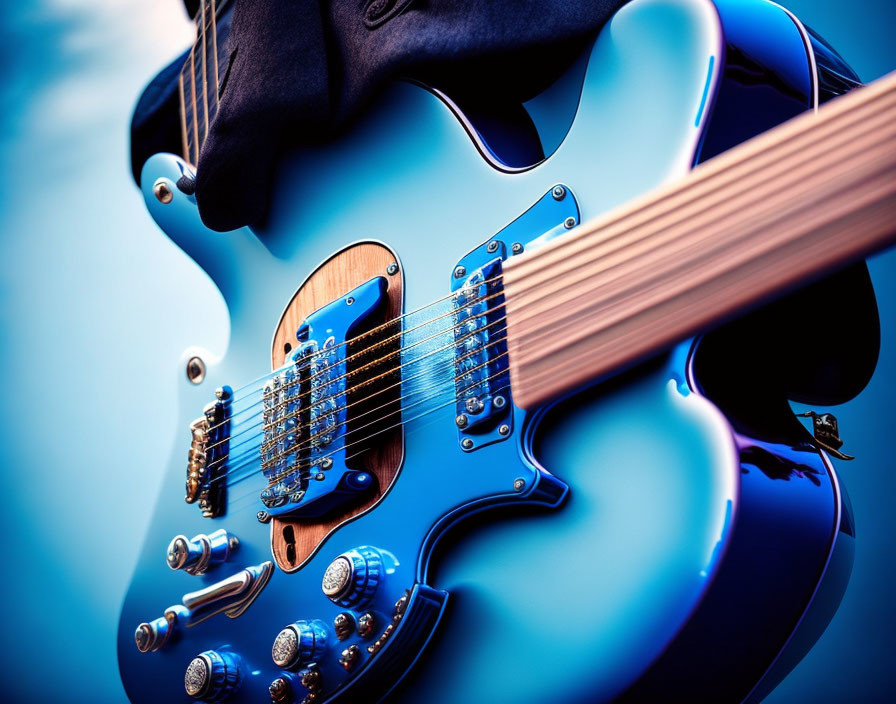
{"points": [[712, 62]]}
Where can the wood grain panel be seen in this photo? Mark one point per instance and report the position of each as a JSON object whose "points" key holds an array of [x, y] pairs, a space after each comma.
{"points": [[293, 541]]}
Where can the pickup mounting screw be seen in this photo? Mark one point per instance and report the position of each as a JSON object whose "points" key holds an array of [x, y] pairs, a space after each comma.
{"points": [[474, 405], [195, 370], [392, 269], [569, 223], [517, 248], [519, 484], [460, 272], [559, 192], [467, 444], [492, 247], [462, 420], [162, 191], [504, 429]]}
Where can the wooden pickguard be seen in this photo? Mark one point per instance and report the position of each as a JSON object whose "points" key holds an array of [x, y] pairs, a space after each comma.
{"points": [[293, 541]]}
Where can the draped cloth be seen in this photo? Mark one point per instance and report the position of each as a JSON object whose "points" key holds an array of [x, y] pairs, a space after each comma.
{"points": [[299, 69]]}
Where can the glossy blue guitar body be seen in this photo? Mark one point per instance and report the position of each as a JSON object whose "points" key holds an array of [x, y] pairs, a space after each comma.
{"points": [[625, 542]]}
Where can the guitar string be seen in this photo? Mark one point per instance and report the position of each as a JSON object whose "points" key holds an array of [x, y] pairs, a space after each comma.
{"points": [[402, 380], [427, 399], [233, 503], [355, 372], [595, 260], [206, 18], [380, 328], [447, 363], [308, 441], [254, 459]]}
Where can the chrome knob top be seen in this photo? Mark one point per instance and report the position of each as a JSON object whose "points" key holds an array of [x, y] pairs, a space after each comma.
{"points": [[300, 643], [352, 578], [337, 577], [211, 676], [199, 554]]}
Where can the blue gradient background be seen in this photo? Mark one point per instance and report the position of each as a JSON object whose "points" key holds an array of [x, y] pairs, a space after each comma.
{"points": [[96, 306]]}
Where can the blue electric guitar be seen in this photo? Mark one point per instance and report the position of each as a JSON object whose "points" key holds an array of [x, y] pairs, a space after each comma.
{"points": [[488, 465]]}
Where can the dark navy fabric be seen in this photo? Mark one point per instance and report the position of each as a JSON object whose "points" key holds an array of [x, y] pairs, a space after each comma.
{"points": [[305, 67]]}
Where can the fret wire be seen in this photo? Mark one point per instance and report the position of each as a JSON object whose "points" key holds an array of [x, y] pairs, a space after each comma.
{"points": [[194, 132], [195, 119], [204, 76], [214, 22], [183, 118]]}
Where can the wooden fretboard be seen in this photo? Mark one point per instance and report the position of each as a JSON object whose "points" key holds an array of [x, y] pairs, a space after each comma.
{"points": [[800, 200], [199, 81]]}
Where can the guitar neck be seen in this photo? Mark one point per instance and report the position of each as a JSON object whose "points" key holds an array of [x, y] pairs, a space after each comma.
{"points": [[794, 203], [199, 80]]}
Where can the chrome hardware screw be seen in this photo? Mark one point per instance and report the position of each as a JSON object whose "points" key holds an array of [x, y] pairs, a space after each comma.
{"points": [[467, 444], [162, 191], [517, 248], [462, 420], [366, 624], [519, 484], [263, 516], [349, 301], [569, 223], [350, 656], [310, 679], [504, 429], [320, 476], [401, 605], [392, 269], [559, 193], [280, 691], [460, 272], [499, 401], [343, 624], [474, 406], [195, 370], [326, 463], [492, 247]]}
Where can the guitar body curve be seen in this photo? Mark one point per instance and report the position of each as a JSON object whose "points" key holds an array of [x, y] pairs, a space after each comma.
{"points": [[615, 517]]}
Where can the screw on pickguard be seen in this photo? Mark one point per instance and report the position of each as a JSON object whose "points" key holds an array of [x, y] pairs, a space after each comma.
{"points": [[827, 433]]}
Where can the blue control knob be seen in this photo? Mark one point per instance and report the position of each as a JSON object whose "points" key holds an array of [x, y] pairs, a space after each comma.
{"points": [[212, 676], [300, 643], [352, 578]]}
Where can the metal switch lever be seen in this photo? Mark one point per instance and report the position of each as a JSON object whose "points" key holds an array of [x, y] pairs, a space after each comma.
{"points": [[232, 596], [197, 555]]}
